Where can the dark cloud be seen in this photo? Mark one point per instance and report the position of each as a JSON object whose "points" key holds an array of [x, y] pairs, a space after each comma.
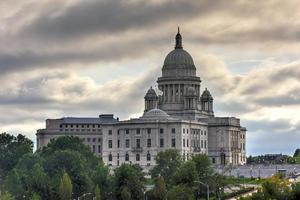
{"points": [[104, 17]]}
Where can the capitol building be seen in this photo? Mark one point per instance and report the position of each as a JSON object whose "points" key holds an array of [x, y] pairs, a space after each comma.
{"points": [[181, 117]]}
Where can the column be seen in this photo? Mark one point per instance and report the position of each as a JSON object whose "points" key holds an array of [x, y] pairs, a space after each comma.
{"points": [[173, 97]]}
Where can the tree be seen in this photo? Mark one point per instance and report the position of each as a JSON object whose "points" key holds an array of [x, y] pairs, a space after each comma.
{"points": [[203, 166], [168, 162], [36, 197], [6, 196], [97, 193], [186, 174], [159, 191], [13, 183], [297, 153], [125, 194], [65, 187], [180, 192], [129, 179], [11, 150]]}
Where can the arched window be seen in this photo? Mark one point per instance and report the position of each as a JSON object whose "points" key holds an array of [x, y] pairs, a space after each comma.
{"points": [[126, 157], [110, 157]]}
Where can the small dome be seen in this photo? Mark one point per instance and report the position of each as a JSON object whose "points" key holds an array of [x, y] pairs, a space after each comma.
{"points": [[206, 94], [156, 114], [151, 93]]}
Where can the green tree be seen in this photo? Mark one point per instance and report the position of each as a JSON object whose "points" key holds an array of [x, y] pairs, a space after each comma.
{"points": [[180, 192], [11, 150], [167, 163], [131, 179], [125, 194], [36, 197], [159, 191], [6, 196], [97, 193], [297, 153], [13, 183], [65, 187], [186, 174], [203, 166]]}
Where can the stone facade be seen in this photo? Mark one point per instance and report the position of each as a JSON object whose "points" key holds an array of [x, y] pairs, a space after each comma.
{"points": [[181, 118]]}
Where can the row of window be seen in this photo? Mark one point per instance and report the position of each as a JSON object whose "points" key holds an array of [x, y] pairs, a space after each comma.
{"points": [[195, 143], [137, 157], [91, 139], [81, 130], [138, 131], [79, 126], [138, 143], [93, 148]]}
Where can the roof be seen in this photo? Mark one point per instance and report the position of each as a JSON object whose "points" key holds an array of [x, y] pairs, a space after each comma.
{"points": [[90, 120]]}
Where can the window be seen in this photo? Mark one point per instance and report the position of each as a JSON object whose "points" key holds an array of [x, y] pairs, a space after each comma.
{"points": [[204, 132], [137, 157], [148, 156], [93, 125], [138, 143], [127, 131], [161, 143], [126, 157], [213, 160], [110, 144], [88, 126], [89, 139], [94, 148], [148, 142], [183, 130], [99, 149], [118, 132], [205, 144], [173, 130], [138, 131], [127, 143], [82, 126], [109, 132], [183, 142], [161, 131], [94, 139], [99, 139], [187, 131], [201, 144], [187, 142], [71, 125], [173, 142], [110, 157], [149, 130], [118, 155], [118, 143], [60, 126]]}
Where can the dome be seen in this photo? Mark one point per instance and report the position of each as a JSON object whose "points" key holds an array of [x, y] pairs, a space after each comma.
{"points": [[179, 58], [156, 114], [178, 62], [206, 94], [151, 93]]}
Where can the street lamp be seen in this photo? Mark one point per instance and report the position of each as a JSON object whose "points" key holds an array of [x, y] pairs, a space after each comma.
{"points": [[207, 187]]}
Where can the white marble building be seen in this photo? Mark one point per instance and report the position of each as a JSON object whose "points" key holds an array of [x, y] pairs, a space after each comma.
{"points": [[181, 118]]}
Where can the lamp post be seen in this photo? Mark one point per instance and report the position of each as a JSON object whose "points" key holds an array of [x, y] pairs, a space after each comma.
{"points": [[207, 187]]}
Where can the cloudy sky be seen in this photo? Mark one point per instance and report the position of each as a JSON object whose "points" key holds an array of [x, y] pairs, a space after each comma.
{"points": [[87, 57]]}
